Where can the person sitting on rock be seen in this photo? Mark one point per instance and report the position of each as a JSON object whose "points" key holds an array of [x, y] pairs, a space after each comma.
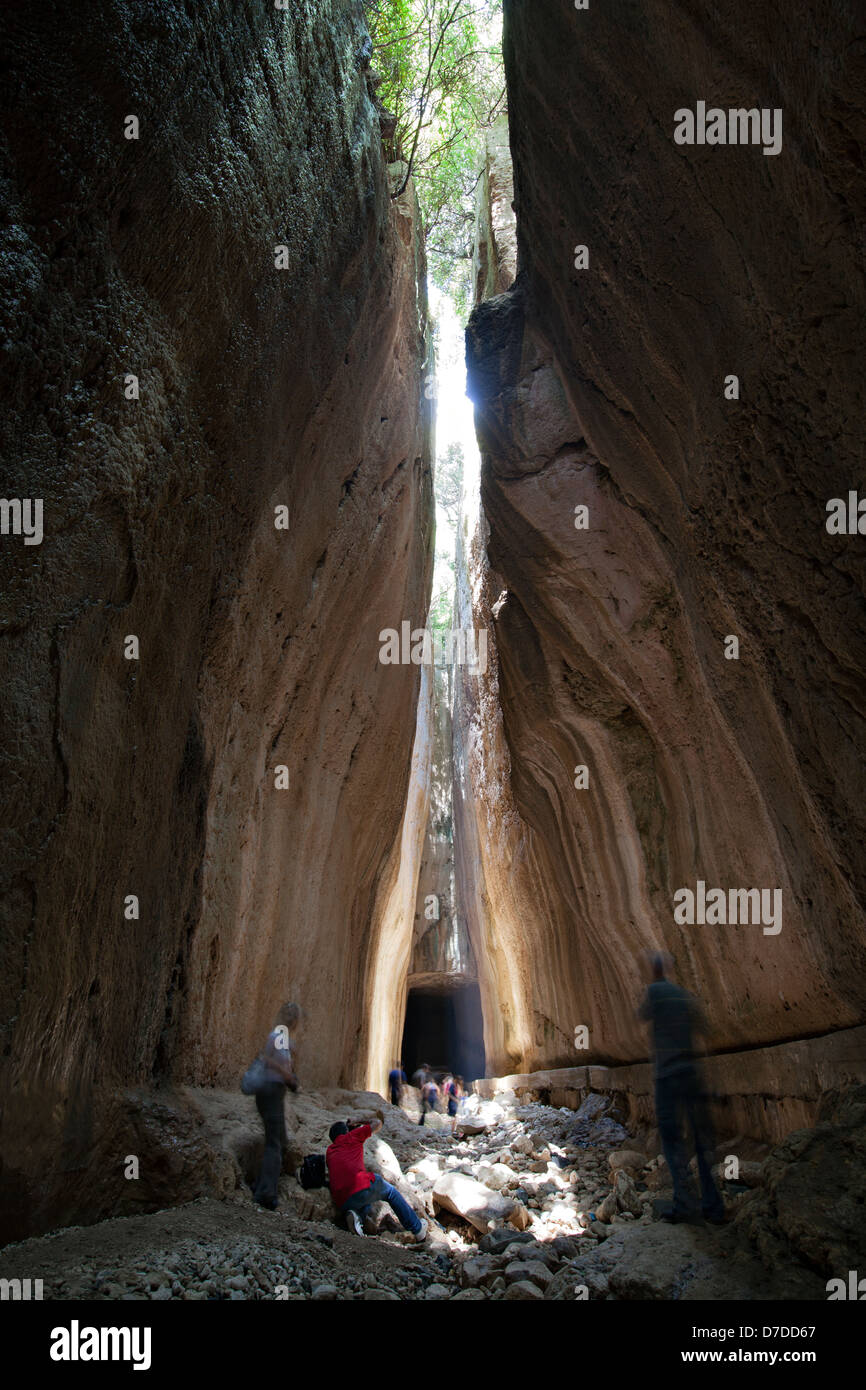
{"points": [[354, 1189], [676, 1017]]}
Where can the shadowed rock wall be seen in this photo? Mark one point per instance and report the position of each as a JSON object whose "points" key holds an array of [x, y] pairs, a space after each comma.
{"points": [[604, 387], [259, 388]]}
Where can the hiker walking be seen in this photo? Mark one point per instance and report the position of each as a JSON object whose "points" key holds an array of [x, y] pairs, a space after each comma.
{"points": [[396, 1082], [429, 1098], [278, 1073], [454, 1093]]}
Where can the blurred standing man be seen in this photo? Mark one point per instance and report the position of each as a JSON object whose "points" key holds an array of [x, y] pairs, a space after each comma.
{"points": [[676, 1017], [396, 1082], [270, 1102], [429, 1097], [422, 1075]]}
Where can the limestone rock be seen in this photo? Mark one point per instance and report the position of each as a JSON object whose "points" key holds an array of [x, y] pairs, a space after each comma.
{"points": [[519, 1216], [812, 1204], [427, 1168], [626, 1194], [477, 1270], [436, 1293], [532, 1270], [608, 1208], [380, 1158], [629, 1159], [750, 1172], [471, 1126], [498, 1241], [495, 1175], [523, 1290], [466, 1197]]}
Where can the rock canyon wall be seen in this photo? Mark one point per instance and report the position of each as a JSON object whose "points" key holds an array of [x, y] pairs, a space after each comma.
{"points": [[441, 947], [604, 387], [243, 259], [214, 793]]}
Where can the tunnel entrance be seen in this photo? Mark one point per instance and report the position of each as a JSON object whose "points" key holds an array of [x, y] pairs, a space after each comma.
{"points": [[444, 1027]]}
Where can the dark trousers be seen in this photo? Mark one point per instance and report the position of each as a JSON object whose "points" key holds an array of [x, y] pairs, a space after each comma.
{"points": [[678, 1098], [270, 1103]]}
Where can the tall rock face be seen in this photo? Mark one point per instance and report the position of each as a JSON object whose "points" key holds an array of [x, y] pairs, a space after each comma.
{"points": [[497, 891], [195, 834], [441, 947], [389, 959], [605, 388]]}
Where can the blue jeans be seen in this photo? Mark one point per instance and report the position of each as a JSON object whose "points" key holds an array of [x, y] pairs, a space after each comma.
{"points": [[382, 1191]]}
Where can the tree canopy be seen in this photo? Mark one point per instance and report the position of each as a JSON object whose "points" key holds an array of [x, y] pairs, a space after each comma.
{"points": [[440, 62]]}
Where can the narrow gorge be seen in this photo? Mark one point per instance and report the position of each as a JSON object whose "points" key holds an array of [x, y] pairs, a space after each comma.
{"points": [[308, 694]]}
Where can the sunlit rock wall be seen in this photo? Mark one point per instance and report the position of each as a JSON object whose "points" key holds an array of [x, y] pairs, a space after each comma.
{"points": [[390, 957], [260, 388], [604, 387], [441, 946], [493, 876]]}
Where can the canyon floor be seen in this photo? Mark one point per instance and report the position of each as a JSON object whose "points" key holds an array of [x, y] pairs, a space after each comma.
{"points": [[531, 1166]]}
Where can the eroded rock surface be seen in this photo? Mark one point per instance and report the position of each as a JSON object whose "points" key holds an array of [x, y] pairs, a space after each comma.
{"points": [[298, 387], [604, 388]]}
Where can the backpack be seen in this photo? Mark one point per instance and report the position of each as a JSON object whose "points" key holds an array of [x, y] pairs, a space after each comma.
{"points": [[313, 1172], [254, 1078], [257, 1076]]}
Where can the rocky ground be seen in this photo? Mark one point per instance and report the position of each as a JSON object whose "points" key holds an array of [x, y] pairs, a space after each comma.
{"points": [[531, 1203]]}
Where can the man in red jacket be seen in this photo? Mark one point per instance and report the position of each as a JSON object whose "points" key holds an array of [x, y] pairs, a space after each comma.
{"points": [[354, 1189]]}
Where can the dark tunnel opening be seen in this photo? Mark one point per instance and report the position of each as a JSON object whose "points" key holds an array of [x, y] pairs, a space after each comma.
{"points": [[444, 1027]]}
